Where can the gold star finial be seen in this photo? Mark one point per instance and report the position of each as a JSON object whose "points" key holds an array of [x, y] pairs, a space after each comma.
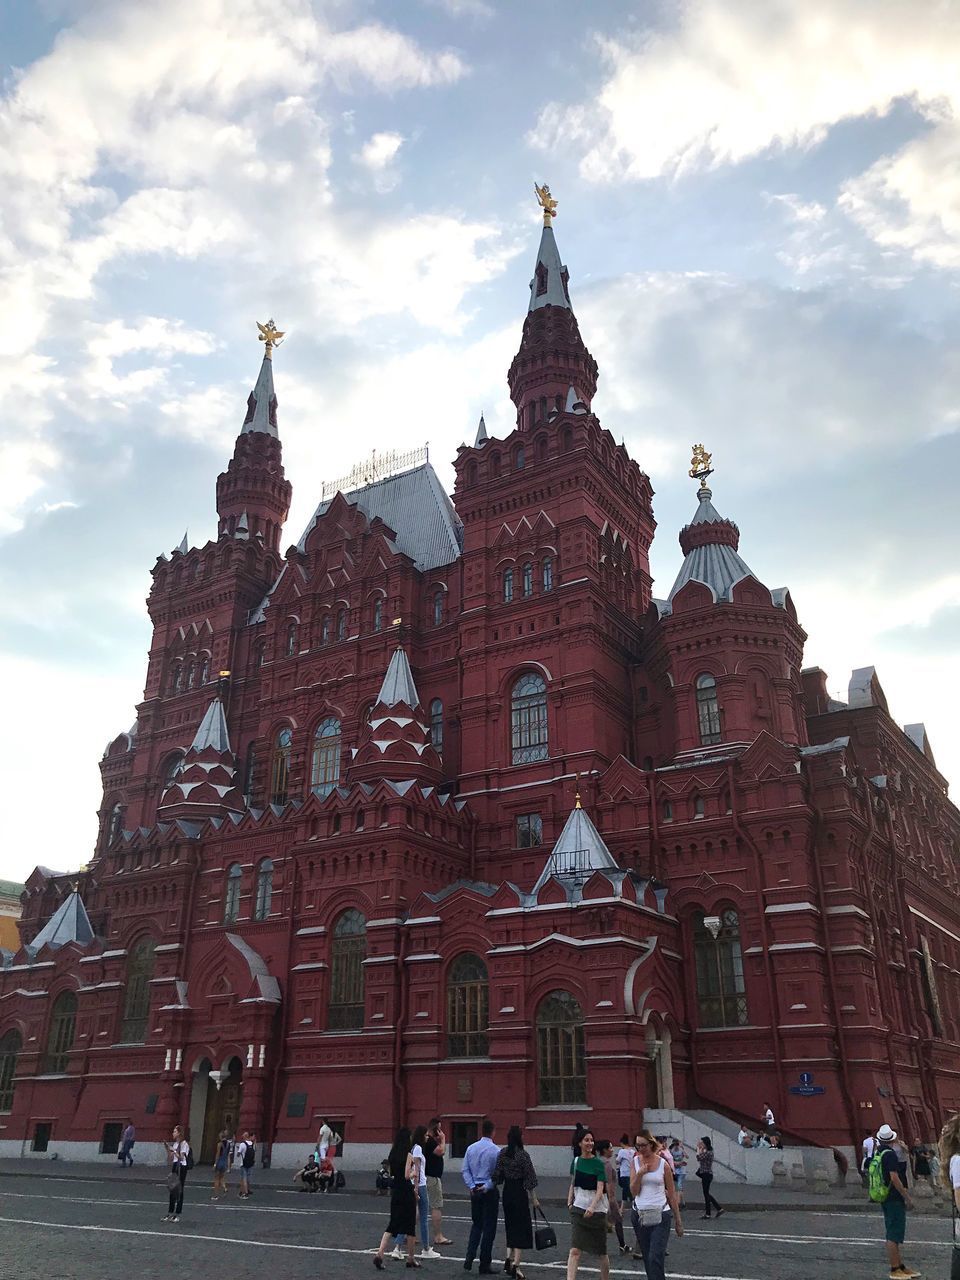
{"points": [[271, 336], [546, 202], [700, 467]]}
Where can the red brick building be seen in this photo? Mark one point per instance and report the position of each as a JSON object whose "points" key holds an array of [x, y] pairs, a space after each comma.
{"points": [[342, 868]]}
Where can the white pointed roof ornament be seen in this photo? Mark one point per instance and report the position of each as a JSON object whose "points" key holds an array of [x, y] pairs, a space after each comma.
{"points": [[398, 685], [184, 546], [482, 436], [213, 730], [243, 526], [574, 404]]}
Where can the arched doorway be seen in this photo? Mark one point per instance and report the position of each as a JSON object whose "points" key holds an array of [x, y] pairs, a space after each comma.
{"points": [[659, 1072], [214, 1105]]}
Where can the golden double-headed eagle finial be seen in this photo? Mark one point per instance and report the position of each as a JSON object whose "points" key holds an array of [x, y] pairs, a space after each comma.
{"points": [[700, 466], [271, 335], [546, 202]]}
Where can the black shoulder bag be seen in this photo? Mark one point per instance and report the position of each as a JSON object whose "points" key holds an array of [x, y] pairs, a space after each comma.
{"points": [[543, 1237]]}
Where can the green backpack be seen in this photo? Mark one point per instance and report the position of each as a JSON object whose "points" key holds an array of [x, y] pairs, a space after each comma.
{"points": [[878, 1189]]}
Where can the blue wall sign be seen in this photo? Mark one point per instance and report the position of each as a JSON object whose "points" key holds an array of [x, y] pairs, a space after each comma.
{"points": [[806, 1088]]}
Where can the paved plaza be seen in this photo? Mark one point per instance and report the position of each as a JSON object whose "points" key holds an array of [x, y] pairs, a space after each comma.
{"points": [[85, 1226]]}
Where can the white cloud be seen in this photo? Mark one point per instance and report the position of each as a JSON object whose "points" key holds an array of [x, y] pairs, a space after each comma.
{"points": [[731, 81], [379, 150]]}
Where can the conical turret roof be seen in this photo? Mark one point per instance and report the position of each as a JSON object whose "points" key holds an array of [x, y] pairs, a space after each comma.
{"points": [[262, 403], [710, 544], [548, 288], [579, 852], [398, 685], [69, 923], [213, 730]]}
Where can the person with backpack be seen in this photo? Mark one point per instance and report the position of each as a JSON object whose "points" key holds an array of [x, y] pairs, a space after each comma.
{"points": [[868, 1147], [244, 1159], [181, 1162], [888, 1189]]}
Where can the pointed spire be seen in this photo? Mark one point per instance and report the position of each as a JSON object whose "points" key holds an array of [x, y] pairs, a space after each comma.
{"points": [[262, 402], [213, 730], [69, 923], [578, 853], [398, 685], [709, 542], [482, 436], [243, 526], [548, 288], [184, 546]]}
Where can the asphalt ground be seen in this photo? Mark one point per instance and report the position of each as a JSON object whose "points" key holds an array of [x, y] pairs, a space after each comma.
{"points": [[68, 1228]]}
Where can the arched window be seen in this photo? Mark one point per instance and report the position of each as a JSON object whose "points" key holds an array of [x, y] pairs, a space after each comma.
{"points": [[528, 719], [325, 629], [231, 899], [495, 466], [136, 1008], [290, 648], [347, 954], [436, 725], [473, 473], [191, 674], [507, 585], [280, 773], [708, 709], [204, 670], [547, 573], [667, 811], [342, 625], [116, 823], [721, 992], [519, 458], [171, 768], [176, 677], [561, 1061], [10, 1046], [250, 769], [261, 908], [325, 763], [468, 998], [566, 440], [528, 579], [378, 614], [259, 654], [699, 808], [438, 609], [63, 1027]]}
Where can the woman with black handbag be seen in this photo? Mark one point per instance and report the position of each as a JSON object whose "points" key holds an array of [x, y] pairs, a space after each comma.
{"points": [[515, 1173], [950, 1177], [181, 1161]]}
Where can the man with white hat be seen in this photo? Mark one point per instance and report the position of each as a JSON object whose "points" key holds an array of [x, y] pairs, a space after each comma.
{"points": [[896, 1204]]}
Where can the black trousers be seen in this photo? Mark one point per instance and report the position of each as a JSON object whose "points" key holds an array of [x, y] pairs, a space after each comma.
{"points": [[484, 1210], [708, 1199], [176, 1195]]}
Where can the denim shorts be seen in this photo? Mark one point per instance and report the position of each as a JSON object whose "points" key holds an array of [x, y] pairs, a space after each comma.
{"points": [[894, 1219]]}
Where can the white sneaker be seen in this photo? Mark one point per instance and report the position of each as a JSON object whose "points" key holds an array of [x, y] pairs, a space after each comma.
{"points": [[430, 1253], [397, 1254]]}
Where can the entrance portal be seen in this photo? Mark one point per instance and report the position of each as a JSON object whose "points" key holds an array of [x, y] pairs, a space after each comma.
{"points": [[214, 1106], [659, 1075]]}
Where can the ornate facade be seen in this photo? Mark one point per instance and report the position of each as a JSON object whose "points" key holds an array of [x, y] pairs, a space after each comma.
{"points": [[443, 812]]}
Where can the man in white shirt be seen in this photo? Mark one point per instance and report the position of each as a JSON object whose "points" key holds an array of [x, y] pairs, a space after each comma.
{"points": [[324, 1138], [869, 1151], [768, 1119], [745, 1137]]}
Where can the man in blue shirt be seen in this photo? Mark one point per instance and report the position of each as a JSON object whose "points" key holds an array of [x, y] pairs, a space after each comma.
{"points": [[478, 1164]]}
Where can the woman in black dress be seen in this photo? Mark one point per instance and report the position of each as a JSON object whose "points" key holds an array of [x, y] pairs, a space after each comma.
{"points": [[514, 1171], [403, 1200]]}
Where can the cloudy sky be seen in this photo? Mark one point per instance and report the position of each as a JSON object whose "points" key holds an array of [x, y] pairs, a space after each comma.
{"points": [[759, 207]]}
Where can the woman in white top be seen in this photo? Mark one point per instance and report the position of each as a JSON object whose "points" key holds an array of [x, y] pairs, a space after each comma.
{"points": [[178, 1152], [950, 1161], [423, 1200], [655, 1205]]}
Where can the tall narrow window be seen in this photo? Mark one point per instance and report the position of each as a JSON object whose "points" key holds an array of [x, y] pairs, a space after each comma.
{"points": [[436, 725], [280, 772], [291, 645], [528, 579], [250, 770], [528, 719], [10, 1046], [438, 609], [63, 1027], [548, 573], [176, 678], [116, 823], [325, 629], [721, 991], [231, 897], [529, 830], [136, 1008], [708, 709], [204, 670], [261, 907], [259, 654], [347, 954], [191, 674], [468, 1000], [519, 458], [507, 585], [561, 1060], [325, 763], [342, 625], [378, 614]]}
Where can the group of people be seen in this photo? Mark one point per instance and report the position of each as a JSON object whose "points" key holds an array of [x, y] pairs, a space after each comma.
{"points": [[320, 1173], [415, 1174], [233, 1153], [768, 1136]]}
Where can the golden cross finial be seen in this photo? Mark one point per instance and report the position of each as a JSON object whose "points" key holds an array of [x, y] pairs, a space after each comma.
{"points": [[546, 202], [700, 466], [271, 336]]}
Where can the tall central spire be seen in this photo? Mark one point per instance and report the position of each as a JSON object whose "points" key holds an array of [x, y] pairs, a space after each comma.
{"points": [[553, 368]]}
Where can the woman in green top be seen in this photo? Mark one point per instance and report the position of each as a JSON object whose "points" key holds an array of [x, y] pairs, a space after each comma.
{"points": [[588, 1204]]}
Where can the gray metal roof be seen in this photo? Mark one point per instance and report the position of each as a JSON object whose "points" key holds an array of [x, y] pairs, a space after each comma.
{"points": [[415, 505], [482, 436], [213, 730], [398, 685], [263, 394], [69, 923], [716, 565], [548, 256], [578, 853]]}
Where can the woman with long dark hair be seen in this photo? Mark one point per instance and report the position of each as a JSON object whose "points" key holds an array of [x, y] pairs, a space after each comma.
{"points": [[178, 1155], [588, 1205], [705, 1174], [403, 1200], [419, 1161], [515, 1173]]}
